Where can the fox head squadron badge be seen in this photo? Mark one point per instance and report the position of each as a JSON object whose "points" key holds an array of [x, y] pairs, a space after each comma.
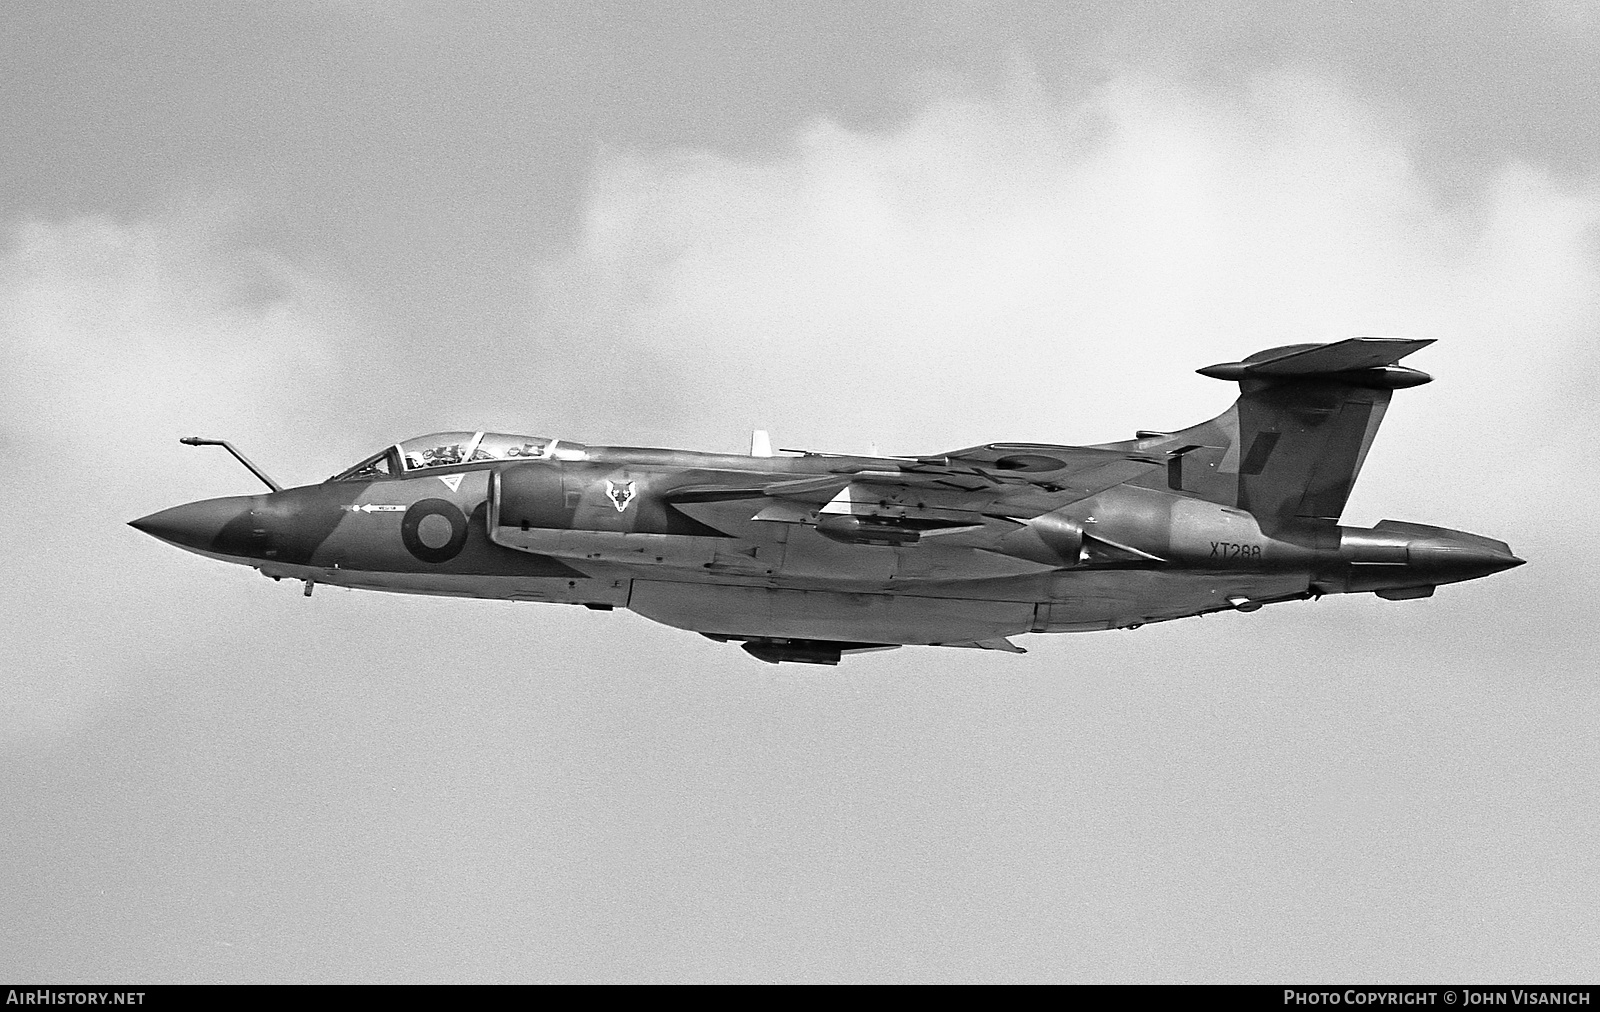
{"points": [[620, 493]]}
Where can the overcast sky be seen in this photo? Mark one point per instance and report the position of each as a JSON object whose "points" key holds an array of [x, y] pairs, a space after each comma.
{"points": [[318, 228]]}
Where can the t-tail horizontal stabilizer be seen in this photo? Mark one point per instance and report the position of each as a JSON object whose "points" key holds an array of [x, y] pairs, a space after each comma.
{"points": [[1359, 361]]}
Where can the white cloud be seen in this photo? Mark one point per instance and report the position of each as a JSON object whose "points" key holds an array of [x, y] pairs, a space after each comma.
{"points": [[119, 329], [119, 337], [1053, 271]]}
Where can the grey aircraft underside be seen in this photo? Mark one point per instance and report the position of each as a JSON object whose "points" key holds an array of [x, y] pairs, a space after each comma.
{"points": [[805, 557]]}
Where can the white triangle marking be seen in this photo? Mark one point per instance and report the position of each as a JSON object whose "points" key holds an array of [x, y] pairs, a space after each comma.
{"points": [[453, 480], [840, 503]]}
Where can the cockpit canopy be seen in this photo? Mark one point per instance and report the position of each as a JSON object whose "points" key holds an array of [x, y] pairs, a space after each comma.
{"points": [[448, 449]]}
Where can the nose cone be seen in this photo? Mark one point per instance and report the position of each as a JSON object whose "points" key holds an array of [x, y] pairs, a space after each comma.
{"points": [[194, 525]]}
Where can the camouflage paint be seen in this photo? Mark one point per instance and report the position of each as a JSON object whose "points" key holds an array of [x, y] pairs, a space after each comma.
{"points": [[810, 556]]}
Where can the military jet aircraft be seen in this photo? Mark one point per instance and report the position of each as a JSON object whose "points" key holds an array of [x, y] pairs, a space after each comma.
{"points": [[806, 557]]}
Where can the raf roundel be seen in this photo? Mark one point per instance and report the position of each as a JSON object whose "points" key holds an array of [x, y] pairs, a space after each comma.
{"points": [[434, 530]]}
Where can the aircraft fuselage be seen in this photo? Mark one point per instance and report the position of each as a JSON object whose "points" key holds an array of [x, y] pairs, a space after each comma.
{"points": [[809, 556], [655, 531]]}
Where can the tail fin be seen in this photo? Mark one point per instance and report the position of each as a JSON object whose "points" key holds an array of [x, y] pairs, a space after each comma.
{"points": [[1290, 448]]}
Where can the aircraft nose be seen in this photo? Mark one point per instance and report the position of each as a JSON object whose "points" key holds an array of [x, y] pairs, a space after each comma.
{"points": [[193, 525]]}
